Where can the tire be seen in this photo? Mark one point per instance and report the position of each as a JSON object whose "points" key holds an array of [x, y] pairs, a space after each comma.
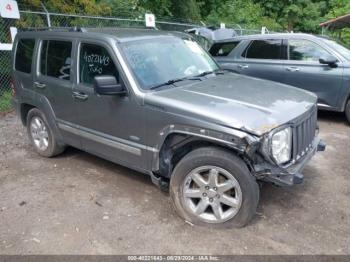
{"points": [[224, 164], [41, 136], [347, 111]]}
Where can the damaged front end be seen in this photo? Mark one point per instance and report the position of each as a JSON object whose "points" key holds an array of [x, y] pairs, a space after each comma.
{"points": [[285, 150]]}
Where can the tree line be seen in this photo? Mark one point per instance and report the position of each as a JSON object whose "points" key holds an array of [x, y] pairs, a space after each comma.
{"points": [[276, 15]]}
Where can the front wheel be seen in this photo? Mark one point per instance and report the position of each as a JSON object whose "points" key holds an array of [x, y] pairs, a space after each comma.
{"points": [[211, 186]]}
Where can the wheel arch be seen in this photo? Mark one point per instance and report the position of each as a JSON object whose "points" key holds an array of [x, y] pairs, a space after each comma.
{"points": [[179, 143], [42, 104], [24, 110], [344, 95], [345, 102]]}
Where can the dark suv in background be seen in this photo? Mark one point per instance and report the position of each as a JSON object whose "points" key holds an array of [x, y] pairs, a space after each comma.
{"points": [[316, 64]]}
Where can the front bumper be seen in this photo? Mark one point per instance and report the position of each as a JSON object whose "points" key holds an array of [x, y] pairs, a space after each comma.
{"points": [[291, 175]]}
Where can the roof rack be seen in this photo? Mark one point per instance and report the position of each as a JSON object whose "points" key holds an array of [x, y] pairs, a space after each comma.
{"points": [[56, 29]]}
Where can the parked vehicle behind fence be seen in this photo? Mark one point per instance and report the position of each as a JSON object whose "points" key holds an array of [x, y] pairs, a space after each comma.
{"points": [[316, 64], [156, 102]]}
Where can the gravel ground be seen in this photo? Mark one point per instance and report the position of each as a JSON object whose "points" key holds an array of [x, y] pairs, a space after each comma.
{"points": [[81, 204]]}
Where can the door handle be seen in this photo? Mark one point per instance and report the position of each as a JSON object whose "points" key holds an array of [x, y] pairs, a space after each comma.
{"points": [[39, 85], [292, 69], [243, 66], [80, 96]]}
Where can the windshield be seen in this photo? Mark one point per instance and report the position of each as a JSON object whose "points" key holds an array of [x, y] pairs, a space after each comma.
{"points": [[158, 60], [339, 48]]}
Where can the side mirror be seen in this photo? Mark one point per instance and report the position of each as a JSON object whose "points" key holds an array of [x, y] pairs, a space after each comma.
{"points": [[328, 60], [108, 85]]}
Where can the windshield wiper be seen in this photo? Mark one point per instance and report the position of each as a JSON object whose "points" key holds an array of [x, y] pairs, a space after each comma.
{"points": [[196, 77], [216, 71], [173, 81], [206, 73]]}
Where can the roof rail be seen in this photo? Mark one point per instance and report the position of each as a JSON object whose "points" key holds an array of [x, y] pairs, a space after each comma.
{"points": [[56, 29]]}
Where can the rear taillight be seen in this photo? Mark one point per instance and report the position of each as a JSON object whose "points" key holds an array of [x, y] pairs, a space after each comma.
{"points": [[12, 85]]}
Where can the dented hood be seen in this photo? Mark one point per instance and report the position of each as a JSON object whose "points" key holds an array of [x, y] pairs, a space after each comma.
{"points": [[251, 104]]}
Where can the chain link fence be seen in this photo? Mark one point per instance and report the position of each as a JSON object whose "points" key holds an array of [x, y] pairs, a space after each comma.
{"points": [[5, 60]]}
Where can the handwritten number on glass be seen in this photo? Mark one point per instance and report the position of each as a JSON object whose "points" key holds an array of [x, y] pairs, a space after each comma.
{"points": [[96, 62]]}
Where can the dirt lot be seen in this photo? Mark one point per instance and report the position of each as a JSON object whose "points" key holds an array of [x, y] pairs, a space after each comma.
{"points": [[80, 204]]}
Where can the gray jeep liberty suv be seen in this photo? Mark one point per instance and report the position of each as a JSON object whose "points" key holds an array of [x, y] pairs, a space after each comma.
{"points": [[156, 102]]}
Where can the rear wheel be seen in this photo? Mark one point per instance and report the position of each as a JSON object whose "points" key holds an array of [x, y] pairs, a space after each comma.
{"points": [[213, 186], [347, 111], [41, 135]]}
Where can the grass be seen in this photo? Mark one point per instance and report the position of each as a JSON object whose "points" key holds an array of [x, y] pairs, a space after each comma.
{"points": [[5, 101]]}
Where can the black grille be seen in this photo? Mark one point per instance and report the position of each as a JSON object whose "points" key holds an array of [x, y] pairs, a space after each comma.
{"points": [[303, 134]]}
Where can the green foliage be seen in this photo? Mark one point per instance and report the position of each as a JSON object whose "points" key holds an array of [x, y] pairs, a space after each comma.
{"points": [[161, 8], [129, 8], [5, 101], [243, 12], [91, 7], [186, 9], [294, 15], [29, 20], [276, 15], [338, 8]]}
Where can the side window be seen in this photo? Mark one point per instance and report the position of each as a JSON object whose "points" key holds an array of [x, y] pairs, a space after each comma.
{"points": [[55, 59], [223, 49], [94, 60], [304, 50], [264, 49], [24, 55]]}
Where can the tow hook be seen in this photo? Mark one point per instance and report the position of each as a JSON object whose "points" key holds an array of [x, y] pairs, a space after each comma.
{"points": [[298, 178], [321, 146]]}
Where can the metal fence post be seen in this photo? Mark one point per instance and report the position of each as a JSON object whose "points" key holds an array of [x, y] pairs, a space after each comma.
{"points": [[47, 15], [240, 28]]}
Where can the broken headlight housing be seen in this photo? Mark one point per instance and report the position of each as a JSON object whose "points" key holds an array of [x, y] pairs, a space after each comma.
{"points": [[281, 145]]}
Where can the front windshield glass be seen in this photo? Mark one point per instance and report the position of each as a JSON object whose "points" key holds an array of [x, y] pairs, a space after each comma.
{"points": [[339, 48], [157, 61]]}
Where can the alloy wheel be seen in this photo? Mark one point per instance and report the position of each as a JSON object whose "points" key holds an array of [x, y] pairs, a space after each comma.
{"points": [[212, 194], [39, 133]]}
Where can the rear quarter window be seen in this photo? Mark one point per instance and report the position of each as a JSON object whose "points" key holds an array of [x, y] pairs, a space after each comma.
{"points": [[223, 49], [24, 55], [264, 49]]}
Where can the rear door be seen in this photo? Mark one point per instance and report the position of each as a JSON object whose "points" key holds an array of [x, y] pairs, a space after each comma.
{"points": [[54, 81], [303, 70], [263, 58]]}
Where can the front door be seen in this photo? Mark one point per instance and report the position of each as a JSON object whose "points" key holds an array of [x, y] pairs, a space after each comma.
{"points": [[54, 80], [110, 126], [303, 70]]}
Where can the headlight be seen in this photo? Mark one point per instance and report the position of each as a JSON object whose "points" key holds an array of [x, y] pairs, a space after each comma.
{"points": [[281, 145]]}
